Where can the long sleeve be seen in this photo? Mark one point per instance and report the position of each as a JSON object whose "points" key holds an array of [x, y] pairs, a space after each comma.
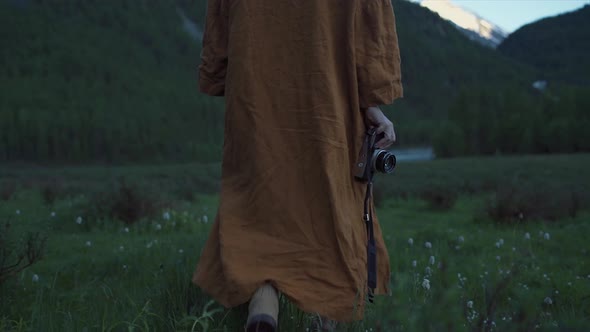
{"points": [[377, 54], [213, 67]]}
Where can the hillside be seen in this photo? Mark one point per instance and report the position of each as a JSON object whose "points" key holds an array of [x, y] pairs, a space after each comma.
{"points": [[558, 46], [115, 81], [439, 61], [101, 80], [552, 119]]}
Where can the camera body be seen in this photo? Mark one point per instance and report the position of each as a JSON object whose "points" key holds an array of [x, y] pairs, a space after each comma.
{"points": [[372, 159]]}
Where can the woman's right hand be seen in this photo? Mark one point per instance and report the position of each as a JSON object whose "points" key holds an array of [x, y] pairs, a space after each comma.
{"points": [[374, 117]]}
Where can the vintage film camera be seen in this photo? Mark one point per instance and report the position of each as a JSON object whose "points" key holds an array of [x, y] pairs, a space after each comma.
{"points": [[372, 159]]}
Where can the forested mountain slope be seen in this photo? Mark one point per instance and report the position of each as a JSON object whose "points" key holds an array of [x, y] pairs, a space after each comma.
{"points": [[106, 80], [558, 46]]}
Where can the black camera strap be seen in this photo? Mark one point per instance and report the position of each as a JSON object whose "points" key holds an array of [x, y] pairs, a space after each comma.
{"points": [[371, 246]]}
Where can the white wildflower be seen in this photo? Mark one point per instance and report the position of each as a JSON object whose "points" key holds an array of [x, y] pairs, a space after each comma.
{"points": [[427, 244], [35, 278], [426, 284], [548, 300], [498, 258], [527, 236], [52, 214], [541, 233], [500, 243], [547, 236], [166, 215], [470, 304], [124, 267], [461, 239], [411, 241], [89, 243], [427, 270], [431, 260], [569, 283], [17, 211], [79, 220], [121, 248], [158, 227], [513, 249], [414, 263], [205, 219], [126, 229], [180, 251]]}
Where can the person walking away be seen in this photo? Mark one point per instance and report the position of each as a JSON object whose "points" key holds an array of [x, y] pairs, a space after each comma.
{"points": [[302, 81]]}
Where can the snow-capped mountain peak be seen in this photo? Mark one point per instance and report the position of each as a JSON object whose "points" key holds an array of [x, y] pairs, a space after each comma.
{"points": [[474, 25]]}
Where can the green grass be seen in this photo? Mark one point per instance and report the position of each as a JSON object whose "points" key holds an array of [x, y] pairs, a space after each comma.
{"points": [[97, 276], [466, 175]]}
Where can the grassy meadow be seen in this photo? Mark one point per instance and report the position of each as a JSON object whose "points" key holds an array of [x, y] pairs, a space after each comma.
{"points": [[476, 244]]}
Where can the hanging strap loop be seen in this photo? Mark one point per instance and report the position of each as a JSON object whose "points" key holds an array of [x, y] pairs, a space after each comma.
{"points": [[371, 246]]}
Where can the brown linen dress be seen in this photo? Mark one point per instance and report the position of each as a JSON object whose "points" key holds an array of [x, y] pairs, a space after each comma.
{"points": [[295, 75]]}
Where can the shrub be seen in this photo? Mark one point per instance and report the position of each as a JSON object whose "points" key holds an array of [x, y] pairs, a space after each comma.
{"points": [[523, 202], [188, 187], [52, 190], [126, 202], [7, 190], [15, 257], [440, 197]]}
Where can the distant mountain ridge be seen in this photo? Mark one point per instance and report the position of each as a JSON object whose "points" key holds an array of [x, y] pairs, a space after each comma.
{"points": [[473, 25], [558, 46]]}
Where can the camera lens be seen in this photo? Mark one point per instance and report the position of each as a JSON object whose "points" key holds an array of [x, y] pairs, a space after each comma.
{"points": [[384, 161]]}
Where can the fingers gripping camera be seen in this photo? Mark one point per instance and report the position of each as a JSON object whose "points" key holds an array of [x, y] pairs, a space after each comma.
{"points": [[372, 159]]}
